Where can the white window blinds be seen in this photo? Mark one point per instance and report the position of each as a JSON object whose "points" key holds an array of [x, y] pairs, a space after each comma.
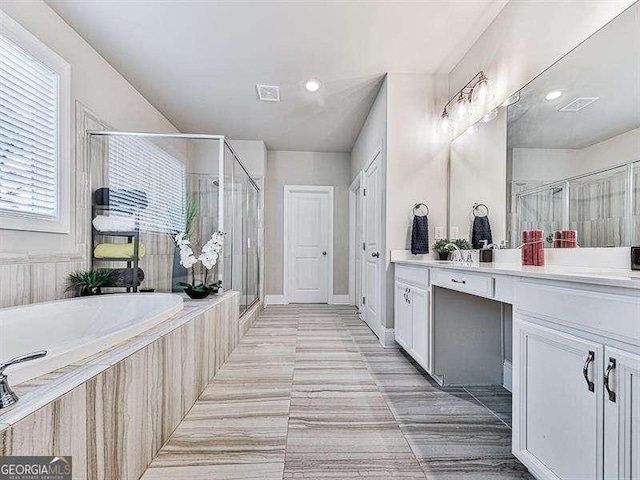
{"points": [[144, 175], [28, 135]]}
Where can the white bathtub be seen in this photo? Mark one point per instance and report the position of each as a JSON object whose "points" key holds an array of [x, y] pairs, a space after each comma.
{"points": [[73, 329]]}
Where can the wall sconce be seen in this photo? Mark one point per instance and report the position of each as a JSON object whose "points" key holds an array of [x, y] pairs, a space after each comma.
{"points": [[474, 95]]}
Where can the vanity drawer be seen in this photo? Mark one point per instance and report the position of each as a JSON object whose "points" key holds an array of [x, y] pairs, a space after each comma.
{"points": [[464, 282], [412, 274], [612, 315]]}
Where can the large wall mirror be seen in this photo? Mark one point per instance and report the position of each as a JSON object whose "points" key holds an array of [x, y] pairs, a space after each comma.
{"points": [[566, 154]]}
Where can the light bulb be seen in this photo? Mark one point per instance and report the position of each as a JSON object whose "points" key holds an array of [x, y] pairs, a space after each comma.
{"points": [[446, 126], [481, 94], [553, 95], [312, 85], [461, 108]]}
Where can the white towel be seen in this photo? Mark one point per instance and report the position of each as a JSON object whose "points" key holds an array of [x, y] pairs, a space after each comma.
{"points": [[114, 223]]}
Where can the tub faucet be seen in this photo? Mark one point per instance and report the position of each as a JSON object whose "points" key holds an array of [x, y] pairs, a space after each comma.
{"points": [[7, 396]]}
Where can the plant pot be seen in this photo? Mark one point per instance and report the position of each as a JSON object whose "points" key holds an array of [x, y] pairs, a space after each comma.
{"points": [[87, 291], [443, 255], [198, 294]]}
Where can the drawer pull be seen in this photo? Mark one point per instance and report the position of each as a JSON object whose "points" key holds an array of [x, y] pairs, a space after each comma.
{"points": [[463, 282], [585, 370], [610, 368]]}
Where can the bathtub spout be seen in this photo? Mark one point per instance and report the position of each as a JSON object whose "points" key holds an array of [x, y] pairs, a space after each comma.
{"points": [[7, 396]]}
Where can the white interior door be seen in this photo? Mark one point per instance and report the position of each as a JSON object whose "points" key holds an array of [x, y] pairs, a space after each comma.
{"points": [[308, 243], [373, 244]]}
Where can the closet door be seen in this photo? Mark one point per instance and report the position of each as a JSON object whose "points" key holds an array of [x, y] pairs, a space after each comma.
{"points": [[558, 401], [622, 415]]}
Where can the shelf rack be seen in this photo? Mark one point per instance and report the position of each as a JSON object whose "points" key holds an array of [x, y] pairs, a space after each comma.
{"points": [[132, 236]]}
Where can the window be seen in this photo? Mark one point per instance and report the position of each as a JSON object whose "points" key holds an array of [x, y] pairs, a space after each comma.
{"points": [[34, 156], [143, 175]]}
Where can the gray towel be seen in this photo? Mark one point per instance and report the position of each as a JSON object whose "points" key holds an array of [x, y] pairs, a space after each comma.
{"points": [[420, 235]]}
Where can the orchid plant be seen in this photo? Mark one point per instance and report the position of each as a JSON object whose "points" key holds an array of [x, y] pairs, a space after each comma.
{"points": [[208, 258]]}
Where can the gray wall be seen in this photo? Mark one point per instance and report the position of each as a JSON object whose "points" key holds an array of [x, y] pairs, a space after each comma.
{"points": [[306, 168]]}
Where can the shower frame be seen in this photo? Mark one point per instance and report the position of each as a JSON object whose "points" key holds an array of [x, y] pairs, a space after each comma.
{"points": [[222, 143]]}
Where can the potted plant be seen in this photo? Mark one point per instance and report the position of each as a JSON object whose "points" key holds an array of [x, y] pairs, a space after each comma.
{"points": [[442, 247], [462, 243], [200, 288], [89, 282]]}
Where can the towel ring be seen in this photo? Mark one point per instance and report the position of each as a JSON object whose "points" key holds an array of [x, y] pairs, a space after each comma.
{"points": [[418, 205], [477, 207]]}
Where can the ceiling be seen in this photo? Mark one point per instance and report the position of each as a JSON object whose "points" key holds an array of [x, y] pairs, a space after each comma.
{"points": [[198, 61], [607, 65]]}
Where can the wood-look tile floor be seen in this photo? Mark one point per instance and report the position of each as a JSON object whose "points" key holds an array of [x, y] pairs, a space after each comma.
{"points": [[309, 393]]}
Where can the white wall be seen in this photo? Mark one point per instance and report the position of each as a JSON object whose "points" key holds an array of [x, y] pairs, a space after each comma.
{"points": [[34, 266], [95, 84], [306, 168], [478, 174], [551, 164], [527, 37], [373, 135]]}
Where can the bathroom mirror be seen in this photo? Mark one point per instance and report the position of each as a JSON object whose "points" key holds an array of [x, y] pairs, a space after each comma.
{"points": [[570, 154]]}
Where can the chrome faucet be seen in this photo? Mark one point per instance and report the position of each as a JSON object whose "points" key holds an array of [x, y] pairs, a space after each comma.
{"points": [[7, 396], [459, 255]]}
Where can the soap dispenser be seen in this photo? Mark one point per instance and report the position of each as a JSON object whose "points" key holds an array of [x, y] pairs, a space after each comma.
{"points": [[486, 252]]}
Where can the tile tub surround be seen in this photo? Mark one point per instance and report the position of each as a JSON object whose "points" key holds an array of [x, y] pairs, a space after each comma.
{"points": [[310, 393], [115, 410]]}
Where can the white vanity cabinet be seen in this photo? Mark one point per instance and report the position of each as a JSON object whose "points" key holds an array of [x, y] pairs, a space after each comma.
{"points": [[576, 398], [411, 300]]}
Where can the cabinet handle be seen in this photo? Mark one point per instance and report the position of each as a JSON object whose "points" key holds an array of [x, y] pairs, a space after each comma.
{"points": [[405, 295], [408, 297], [464, 282], [585, 370], [607, 375]]}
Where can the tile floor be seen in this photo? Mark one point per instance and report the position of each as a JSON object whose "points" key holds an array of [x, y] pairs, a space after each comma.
{"points": [[309, 393]]}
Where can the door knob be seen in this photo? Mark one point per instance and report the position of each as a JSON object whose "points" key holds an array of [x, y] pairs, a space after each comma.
{"points": [[376, 254], [324, 253]]}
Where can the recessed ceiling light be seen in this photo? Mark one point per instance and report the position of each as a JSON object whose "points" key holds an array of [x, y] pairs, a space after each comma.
{"points": [[312, 85], [552, 95]]}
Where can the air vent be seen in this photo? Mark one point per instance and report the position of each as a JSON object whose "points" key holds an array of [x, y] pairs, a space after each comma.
{"points": [[268, 93], [578, 104]]}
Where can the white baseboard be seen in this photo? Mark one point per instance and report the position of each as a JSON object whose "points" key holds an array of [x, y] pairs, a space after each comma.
{"points": [[387, 339], [273, 300], [341, 300], [507, 375]]}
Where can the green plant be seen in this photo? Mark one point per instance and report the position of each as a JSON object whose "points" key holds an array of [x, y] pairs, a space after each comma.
{"points": [[89, 279], [442, 246], [462, 243]]}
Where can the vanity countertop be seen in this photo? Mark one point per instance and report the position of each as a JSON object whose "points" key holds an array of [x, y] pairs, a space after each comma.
{"points": [[597, 276]]}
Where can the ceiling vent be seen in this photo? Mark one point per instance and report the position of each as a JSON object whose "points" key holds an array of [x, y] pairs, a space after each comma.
{"points": [[268, 93], [578, 104]]}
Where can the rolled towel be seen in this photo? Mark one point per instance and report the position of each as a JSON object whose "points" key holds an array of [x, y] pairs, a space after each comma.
{"points": [[124, 199], [420, 235], [114, 223], [122, 277], [117, 250]]}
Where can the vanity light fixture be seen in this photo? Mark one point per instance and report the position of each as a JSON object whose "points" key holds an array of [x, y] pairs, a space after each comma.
{"points": [[475, 94], [553, 94], [312, 85]]}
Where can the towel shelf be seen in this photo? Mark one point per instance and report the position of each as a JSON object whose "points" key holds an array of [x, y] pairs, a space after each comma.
{"points": [[132, 235]]}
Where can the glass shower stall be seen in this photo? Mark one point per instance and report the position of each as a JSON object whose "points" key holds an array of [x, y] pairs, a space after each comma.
{"points": [[178, 183]]}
